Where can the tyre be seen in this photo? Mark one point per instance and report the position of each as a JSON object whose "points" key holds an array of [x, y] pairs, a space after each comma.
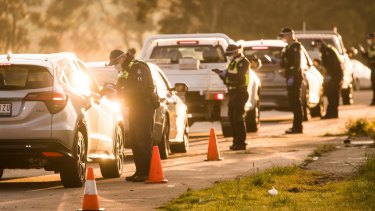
{"points": [[1, 173], [347, 95], [113, 168], [183, 146], [253, 118], [319, 109], [226, 128], [73, 171], [164, 144]]}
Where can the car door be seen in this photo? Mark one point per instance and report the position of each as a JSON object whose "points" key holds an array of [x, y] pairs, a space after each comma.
{"points": [[106, 110], [312, 76], [81, 97]]}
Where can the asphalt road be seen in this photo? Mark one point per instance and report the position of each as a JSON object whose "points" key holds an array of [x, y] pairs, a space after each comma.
{"points": [[41, 190]]}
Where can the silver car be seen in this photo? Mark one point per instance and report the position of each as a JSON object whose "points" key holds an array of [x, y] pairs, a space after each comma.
{"points": [[53, 116]]}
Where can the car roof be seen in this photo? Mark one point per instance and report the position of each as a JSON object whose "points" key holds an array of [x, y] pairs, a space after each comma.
{"points": [[269, 43]]}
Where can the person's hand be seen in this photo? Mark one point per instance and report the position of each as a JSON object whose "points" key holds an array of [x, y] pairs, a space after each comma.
{"points": [[290, 81]]}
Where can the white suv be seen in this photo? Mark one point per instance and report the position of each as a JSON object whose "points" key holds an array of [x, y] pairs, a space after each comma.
{"points": [[53, 116]]}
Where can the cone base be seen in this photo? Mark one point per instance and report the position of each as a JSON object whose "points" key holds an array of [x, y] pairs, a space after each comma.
{"points": [[100, 209], [161, 181], [219, 159]]}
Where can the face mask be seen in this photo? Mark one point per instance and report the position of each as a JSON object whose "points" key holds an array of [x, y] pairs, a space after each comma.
{"points": [[230, 58], [118, 67]]}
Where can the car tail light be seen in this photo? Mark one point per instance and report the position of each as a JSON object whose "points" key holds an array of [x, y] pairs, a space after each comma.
{"points": [[219, 96], [54, 101], [52, 154], [188, 42]]}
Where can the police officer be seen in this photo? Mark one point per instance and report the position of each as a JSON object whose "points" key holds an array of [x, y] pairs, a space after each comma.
{"points": [[136, 86], [369, 55], [291, 62], [236, 78], [333, 79]]}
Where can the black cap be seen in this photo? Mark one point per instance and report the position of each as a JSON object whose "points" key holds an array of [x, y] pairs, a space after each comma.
{"points": [[231, 49], [114, 56], [371, 36], [285, 31]]}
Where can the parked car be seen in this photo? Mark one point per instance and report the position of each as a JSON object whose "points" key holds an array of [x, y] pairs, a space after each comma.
{"points": [[274, 93], [190, 57], [171, 129], [334, 39], [54, 117], [362, 75]]}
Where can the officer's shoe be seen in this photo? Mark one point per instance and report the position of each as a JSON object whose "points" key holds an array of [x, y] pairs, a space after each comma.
{"points": [[293, 131], [330, 117], [238, 147], [131, 178], [140, 178]]}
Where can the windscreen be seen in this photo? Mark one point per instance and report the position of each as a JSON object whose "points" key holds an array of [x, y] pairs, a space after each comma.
{"points": [[268, 55], [306, 42], [203, 53], [16, 77]]}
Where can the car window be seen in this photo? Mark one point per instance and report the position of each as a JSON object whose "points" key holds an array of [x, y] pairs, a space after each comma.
{"points": [[164, 78], [159, 83], [203, 53], [93, 84], [267, 55], [16, 77], [306, 42]]}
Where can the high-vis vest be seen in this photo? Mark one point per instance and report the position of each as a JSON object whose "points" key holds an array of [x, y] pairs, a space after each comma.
{"points": [[233, 78]]}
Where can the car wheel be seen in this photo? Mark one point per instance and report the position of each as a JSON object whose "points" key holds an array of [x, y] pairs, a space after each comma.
{"points": [[319, 109], [184, 145], [113, 168], [253, 118], [226, 128], [347, 95], [164, 144], [1, 173], [73, 171]]}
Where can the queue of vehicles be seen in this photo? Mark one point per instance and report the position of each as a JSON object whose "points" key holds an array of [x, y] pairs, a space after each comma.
{"points": [[58, 113]]}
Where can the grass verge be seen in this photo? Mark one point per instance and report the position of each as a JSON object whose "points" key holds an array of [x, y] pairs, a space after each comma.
{"points": [[298, 190], [361, 127]]}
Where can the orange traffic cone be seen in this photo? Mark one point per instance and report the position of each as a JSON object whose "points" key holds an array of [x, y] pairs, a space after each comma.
{"points": [[156, 171], [90, 197], [213, 149]]}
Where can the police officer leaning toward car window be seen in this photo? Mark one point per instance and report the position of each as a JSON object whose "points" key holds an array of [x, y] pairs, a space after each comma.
{"points": [[137, 88], [291, 62], [369, 55], [333, 79], [236, 78]]}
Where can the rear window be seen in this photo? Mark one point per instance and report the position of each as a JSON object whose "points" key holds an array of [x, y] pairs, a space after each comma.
{"points": [[268, 55], [203, 53], [306, 42], [15, 77]]}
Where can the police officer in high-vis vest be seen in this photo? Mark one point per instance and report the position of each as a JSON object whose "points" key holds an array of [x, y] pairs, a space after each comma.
{"points": [[369, 55], [291, 62], [236, 78], [137, 88]]}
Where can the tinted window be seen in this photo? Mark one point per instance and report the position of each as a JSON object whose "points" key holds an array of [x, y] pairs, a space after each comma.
{"points": [[268, 55], [204, 53], [15, 77], [306, 42]]}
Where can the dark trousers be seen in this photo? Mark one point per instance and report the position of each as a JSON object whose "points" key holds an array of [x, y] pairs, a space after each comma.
{"points": [[295, 102], [332, 90], [373, 84], [236, 113], [141, 122]]}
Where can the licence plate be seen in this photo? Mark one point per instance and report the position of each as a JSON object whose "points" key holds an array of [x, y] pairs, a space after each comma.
{"points": [[5, 109]]}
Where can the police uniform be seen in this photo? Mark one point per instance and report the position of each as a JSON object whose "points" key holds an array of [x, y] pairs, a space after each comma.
{"points": [[291, 61], [369, 54], [138, 90], [237, 79], [333, 79]]}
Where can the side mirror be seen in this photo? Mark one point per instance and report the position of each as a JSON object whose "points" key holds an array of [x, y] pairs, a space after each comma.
{"points": [[180, 87], [109, 90]]}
